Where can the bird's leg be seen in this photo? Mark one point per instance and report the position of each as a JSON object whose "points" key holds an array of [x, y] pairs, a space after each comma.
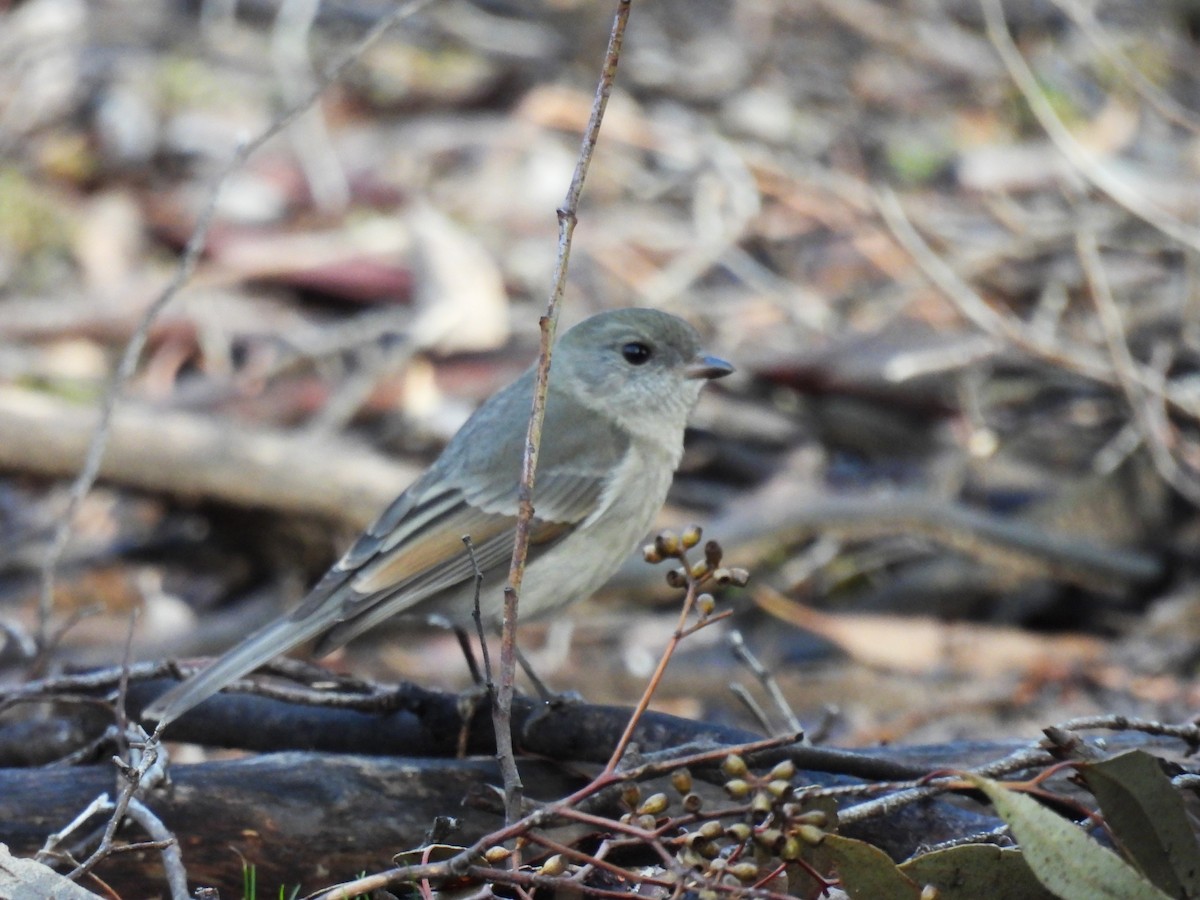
{"points": [[470, 699], [554, 698], [464, 642]]}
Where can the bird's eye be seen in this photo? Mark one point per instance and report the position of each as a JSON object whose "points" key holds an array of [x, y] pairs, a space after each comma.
{"points": [[636, 353]]}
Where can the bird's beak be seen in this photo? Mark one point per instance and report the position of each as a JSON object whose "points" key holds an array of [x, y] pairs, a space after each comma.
{"points": [[707, 367]]}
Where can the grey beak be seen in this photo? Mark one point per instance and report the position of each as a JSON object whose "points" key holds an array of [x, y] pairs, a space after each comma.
{"points": [[707, 367]]}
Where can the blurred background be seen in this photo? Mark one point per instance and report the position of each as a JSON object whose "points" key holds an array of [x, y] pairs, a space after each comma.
{"points": [[950, 246]]}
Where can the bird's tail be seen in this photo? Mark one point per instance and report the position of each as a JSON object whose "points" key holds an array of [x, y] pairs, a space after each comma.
{"points": [[273, 640]]}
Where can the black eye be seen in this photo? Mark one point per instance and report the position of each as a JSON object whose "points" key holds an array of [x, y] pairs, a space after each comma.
{"points": [[636, 353]]}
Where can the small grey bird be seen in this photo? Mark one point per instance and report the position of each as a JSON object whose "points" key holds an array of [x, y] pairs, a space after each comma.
{"points": [[622, 385]]}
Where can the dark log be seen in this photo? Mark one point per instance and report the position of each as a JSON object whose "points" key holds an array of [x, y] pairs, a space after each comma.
{"points": [[315, 818], [322, 813], [305, 818]]}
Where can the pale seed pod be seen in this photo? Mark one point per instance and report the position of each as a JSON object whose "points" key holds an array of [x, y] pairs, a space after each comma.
{"points": [[497, 854], [737, 788], [699, 570], [815, 817], [651, 555], [631, 795], [681, 780], [710, 830], [779, 788], [734, 766], [762, 802], [692, 803], [739, 577], [667, 543], [690, 537], [791, 849], [654, 805], [555, 865], [744, 872], [677, 578], [810, 834], [739, 831], [769, 838], [705, 604], [930, 892], [647, 822], [785, 770]]}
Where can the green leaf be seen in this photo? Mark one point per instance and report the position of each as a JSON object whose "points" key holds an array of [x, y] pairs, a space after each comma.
{"points": [[977, 870], [1147, 816], [866, 872], [1065, 860]]}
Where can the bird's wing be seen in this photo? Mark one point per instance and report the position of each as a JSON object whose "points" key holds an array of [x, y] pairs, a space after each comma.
{"points": [[415, 550], [435, 559]]}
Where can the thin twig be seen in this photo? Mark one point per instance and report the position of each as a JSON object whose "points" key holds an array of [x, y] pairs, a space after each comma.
{"points": [[477, 612], [567, 216], [738, 644], [1188, 732], [1084, 17], [1032, 756], [755, 709], [50, 849], [126, 805], [1054, 349], [681, 631], [1083, 160], [163, 840], [463, 862], [1140, 403], [122, 717]]}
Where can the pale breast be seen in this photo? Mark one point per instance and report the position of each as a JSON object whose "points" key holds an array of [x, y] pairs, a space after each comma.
{"points": [[587, 558]]}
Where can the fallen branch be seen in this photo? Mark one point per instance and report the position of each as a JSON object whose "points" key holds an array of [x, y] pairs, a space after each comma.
{"points": [[192, 457]]}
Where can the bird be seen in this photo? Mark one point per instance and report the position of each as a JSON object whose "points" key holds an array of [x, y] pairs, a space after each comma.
{"points": [[621, 388]]}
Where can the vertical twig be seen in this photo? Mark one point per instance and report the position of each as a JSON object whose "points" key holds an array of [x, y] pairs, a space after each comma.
{"points": [[738, 644], [477, 615], [1153, 430], [681, 631], [567, 217]]}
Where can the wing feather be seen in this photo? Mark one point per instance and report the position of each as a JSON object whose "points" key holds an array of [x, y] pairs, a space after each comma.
{"points": [[363, 611]]}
